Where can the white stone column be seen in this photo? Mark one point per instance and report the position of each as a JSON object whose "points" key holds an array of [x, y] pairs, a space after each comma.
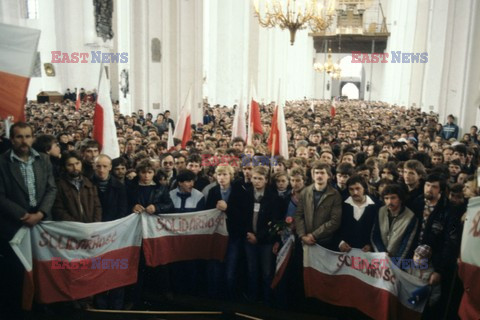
{"points": [[397, 76], [139, 54], [436, 48], [189, 46], [419, 46], [122, 18], [469, 92]]}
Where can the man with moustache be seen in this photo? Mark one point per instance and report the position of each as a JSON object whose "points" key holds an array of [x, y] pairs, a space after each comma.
{"points": [[27, 193], [440, 230], [319, 211], [77, 197], [168, 165], [395, 226], [358, 214]]}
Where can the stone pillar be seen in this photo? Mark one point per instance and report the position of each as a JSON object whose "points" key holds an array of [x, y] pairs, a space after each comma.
{"points": [[470, 90], [436, 48], [419, 46]]}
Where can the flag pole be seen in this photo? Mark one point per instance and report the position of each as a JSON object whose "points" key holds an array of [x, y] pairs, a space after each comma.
{"points": [[250, 129], [274, 139], [99, 80], [274, 134]]}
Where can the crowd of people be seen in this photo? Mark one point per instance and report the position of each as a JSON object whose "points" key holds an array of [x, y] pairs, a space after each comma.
{"points": [[376, 177]]}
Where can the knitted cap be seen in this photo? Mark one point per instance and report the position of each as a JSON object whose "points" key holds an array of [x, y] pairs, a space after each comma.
{"points": [[424, 251]]}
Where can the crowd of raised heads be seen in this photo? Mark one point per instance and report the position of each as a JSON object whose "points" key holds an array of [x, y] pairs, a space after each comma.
{"points": [[388, 178], [358, 131]]}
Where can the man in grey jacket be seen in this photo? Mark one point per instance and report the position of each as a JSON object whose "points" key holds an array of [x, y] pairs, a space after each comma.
{"points": [[27, 193], [395, 226], [319, 211]]}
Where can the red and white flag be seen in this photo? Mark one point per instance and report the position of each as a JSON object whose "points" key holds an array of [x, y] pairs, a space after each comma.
{"points": [[104, 130], [72, 260], [188, 236], [380, 290], [333, 107], [239, 123], [277, 140], [183, 129], [283, 258], [469, 266], [78, 102], [18, 47], [254, 119]]}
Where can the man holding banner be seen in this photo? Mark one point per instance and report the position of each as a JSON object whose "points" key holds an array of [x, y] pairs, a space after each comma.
{"points": [[27, 193], [440, 230]]}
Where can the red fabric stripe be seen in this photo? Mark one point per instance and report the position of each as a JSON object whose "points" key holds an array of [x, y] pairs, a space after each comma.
{"points": [[77, 103], [98, 124], [27, 290], [274, 131], [255, 118], [54, 285], [470, 305], [168, 249], [348, 291], [13, 91], [187, 132], [281, 271], [332, 111]]}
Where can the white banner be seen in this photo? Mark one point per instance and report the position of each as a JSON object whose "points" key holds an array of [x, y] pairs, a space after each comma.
{"points": [[194, 223], [369, 279], [471, 234]]}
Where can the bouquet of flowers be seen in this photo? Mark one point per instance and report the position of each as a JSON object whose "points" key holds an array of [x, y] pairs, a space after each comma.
{"points": [[283, 228]]}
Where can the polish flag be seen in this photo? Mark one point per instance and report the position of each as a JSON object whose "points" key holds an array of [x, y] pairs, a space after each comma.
{"points": [[352, 280], [183, 129], [18, 47], [104, 130], [283, 258], [71, 260], [277, 140], [187, 236], [469, 266], [333, 108], [239, 124], [254, 119], [312, 106], [78, 102]]}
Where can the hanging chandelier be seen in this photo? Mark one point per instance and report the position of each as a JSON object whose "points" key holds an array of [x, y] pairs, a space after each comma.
{"points": [[295, 14], [332, 69]]}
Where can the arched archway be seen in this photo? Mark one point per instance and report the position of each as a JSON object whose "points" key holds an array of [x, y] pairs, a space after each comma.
{"points": [[352, 74], [350, 90]]}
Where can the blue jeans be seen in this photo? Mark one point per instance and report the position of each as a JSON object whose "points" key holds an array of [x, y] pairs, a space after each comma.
{"points": [[259, 264], [234, 248]]}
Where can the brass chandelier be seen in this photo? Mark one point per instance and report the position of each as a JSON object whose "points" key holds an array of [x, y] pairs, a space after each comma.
{"points": [[295, 14], [332, 69]]}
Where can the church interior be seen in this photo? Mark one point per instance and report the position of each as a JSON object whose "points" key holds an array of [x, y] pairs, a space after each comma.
{"points": [[393, 71]]}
